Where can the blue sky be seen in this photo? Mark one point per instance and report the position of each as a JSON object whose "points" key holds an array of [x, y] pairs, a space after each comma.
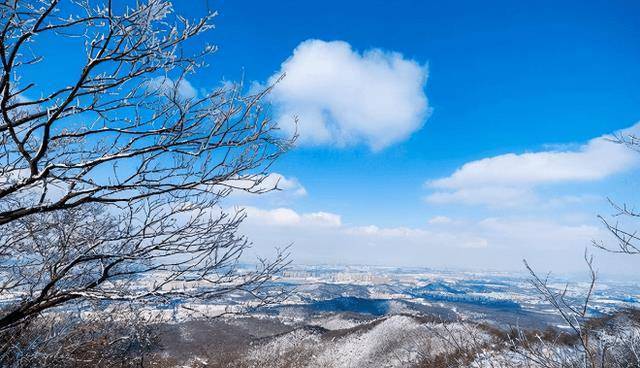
{"points": [[504, 77], [384, 132]]}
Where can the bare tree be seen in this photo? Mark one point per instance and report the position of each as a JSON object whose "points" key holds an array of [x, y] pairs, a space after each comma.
{"points": [[623, 225], [575, 314], [597, 346], [107, 339], [111, 185]]}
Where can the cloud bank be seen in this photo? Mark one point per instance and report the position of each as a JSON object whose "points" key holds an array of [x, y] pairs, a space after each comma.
{"points": [[477, 239], [344, 97], [490, 242], [290, 218], [510, 179]]}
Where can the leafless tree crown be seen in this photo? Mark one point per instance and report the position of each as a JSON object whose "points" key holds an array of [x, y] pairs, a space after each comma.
{"points": [[623, 225], [111, 183]]}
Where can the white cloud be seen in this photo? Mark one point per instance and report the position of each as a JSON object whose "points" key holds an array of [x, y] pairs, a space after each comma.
{"points": [[345, 97], [291, 185], [489, 196], [270, 183], [388, 237], [183, 87], [509, 179], [274, 188], [396, 232], [289, 217], [595, 160], [537, 234], [495, 242], [324, 218]]}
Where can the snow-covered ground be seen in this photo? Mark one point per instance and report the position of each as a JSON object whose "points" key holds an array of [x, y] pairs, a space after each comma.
{"points": [[382, 317]]}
